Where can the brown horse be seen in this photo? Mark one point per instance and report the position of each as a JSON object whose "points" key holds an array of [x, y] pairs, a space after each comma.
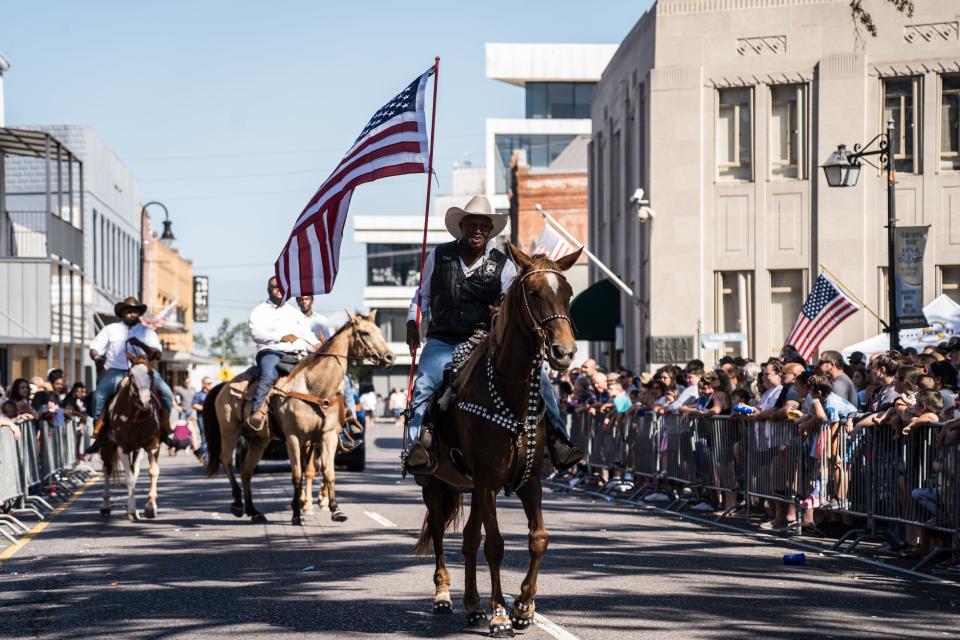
{"points": [[135, 416], [491, 437], [307, 404]]}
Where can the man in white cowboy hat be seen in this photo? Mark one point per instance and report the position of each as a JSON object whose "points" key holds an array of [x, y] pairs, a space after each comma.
{"points": [[110, 348], [462, 280]]}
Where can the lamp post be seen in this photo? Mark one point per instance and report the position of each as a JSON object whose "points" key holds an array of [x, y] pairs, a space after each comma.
{"points": [[842, 169], [166, 237]]}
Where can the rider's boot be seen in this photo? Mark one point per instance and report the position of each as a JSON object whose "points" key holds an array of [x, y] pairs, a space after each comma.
{"points": [[563, 453], [422, 459], [258, 419], [100, 435]]}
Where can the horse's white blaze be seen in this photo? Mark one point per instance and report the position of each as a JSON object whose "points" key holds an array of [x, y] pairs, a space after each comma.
{"points": [[140, 377], [554, 282]]}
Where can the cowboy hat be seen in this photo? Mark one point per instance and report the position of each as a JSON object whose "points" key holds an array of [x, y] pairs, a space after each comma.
{"points": [[478, 206], [130, 303]]}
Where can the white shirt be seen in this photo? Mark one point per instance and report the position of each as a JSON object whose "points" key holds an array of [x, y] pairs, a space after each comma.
{"points": [[767, 402], [111, 343], [369, 402], [507, 275], [687, 396], [318, 325], [269, 323]]}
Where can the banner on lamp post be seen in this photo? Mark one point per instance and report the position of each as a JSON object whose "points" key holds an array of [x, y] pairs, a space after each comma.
{"points": [[909, 244], [201, 294]]}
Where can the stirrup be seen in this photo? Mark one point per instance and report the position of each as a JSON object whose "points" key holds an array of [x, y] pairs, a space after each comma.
{"points": [[421, 470]]}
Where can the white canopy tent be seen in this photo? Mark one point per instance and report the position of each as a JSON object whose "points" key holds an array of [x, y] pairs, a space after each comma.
{"points": [[943, 317]]}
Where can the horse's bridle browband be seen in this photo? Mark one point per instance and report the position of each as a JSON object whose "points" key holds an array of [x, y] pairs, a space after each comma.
{"points": [[538, 324]]}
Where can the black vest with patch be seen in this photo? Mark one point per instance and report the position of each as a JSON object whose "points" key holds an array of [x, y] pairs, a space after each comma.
{"points": [[460, 305]]}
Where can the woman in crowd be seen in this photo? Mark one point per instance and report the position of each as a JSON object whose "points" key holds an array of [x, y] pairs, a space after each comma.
{"points": [[19, 395]]}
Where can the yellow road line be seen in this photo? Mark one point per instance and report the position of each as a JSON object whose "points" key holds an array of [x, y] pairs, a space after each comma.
{"points": [[40, 526]]}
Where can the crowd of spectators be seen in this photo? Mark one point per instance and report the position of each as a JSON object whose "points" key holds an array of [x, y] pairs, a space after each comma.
{"points": [[787, 403]]}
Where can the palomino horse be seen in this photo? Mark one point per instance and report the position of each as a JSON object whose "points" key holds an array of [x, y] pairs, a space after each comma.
{"points": [[491, 437], [307, 405], [135, 416]]}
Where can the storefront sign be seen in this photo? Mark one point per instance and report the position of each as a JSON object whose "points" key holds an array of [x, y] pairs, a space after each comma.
{"points": [[671, 349], [908, 245], [201, 292]]}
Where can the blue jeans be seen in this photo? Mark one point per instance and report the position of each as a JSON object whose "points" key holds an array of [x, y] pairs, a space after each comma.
{"points": [[267, 361], [110, 381], [437, 356]]}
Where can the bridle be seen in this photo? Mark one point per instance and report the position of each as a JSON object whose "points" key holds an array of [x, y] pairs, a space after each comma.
{"points": [[368, 351], [538, 324]]}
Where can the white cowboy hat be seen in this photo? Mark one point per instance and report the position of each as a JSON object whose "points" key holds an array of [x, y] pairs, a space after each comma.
{"points": [[478, 206]]}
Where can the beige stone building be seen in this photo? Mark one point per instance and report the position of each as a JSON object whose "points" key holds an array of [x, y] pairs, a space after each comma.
{"points": [[722, 111]]}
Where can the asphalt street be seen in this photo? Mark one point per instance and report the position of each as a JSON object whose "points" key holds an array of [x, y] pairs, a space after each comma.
{"points": [[611, 572]]}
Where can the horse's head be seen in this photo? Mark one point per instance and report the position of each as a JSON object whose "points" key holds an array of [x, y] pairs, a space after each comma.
{"points": [[544, 295], [366, 341], [141, 380]]}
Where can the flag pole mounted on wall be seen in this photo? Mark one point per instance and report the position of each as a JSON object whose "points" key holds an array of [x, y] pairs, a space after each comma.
{"points": [[423, 247]]}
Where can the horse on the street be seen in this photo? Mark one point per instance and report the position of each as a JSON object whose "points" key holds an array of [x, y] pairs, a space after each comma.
{"points": [[135, 417], [307, 405], [491, 438]]}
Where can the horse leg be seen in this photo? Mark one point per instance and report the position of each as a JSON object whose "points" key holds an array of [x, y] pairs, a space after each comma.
{"points": [[255, 451], [230, 434], [153, 462], [471, 544], [500, 626], [296, 472], [132, 465], [310, 472], [531, 495], [109, 459], [434, 524], [328, 454]]}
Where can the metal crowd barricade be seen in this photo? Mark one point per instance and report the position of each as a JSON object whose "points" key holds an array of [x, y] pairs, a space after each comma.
{"points": [[719, 449], [644, 445]]}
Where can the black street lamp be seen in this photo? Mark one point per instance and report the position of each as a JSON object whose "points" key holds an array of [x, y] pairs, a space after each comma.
{"points": [[842, 169], [166, 237]]}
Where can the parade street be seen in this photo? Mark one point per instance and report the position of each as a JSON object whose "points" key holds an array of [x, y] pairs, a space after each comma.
{"points": [[610, 572]]}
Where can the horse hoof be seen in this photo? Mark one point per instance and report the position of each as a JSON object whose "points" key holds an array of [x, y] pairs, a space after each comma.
{"points": [[324, 506], [501, 630], [477, 619], [104, 511], [258, 518], [520, 623], [338, 516], [150, 511], [237, 510], [443, 607], [297, 520], [133, 517]]}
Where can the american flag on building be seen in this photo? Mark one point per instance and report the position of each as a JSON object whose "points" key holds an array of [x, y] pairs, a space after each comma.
{"points": [[825, 308], [393, 143], [161, 318], [551, 243]]}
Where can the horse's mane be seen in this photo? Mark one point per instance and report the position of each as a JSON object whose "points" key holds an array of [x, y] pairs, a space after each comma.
{"points": [[508, 316], [315, 355]]}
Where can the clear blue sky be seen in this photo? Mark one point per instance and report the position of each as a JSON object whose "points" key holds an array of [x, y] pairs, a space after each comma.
{"points": [[232, 113]]}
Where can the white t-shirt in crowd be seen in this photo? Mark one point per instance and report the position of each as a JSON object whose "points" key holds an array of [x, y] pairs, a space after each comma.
{"points": [[111, 343], [768, 401], [369, 402]]}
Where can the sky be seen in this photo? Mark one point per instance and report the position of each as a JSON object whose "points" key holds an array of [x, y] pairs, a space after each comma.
{"points": [[232, 113]]}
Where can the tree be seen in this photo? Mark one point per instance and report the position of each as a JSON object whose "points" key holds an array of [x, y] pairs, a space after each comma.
{"points": [[227, 341], [862, 18]]}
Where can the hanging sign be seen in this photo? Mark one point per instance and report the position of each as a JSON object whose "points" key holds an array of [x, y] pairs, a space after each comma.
{"points": [[909, 244], [201, 293]]}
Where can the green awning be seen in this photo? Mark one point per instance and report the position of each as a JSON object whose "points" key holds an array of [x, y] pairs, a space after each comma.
{"points": [[596, 311]]}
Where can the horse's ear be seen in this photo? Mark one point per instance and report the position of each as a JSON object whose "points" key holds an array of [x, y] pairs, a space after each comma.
{"points": [[373, 316], [352, 318], [523, 260], [570, 259]]}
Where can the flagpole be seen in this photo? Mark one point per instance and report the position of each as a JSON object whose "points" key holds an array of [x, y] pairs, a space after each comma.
{"points": [[606, 270], [852, 294], [423, 246]]}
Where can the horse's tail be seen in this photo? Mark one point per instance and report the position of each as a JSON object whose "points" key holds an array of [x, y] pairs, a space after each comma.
{"points": [[451, 506], [211, 429]]}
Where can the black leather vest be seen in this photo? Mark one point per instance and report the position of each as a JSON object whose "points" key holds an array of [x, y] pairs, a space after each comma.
{"points": [[458, 304]]}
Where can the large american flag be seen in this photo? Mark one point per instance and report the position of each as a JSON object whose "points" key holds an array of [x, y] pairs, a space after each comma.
{"points": [[393, 143], [551, 243], [825, 308]]}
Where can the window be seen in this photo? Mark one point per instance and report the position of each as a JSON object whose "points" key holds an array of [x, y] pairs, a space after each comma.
{"points": [[787, 131], [558, 99], [786, 299], [734, 309], [541, 150], [393, 265], [950, 124], [950, 281], [393, 324], [734, 136], [900, 105]]}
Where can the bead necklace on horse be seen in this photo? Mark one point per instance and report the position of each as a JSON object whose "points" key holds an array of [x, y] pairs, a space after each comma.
{"points": [[491, 434], [306, 407]]}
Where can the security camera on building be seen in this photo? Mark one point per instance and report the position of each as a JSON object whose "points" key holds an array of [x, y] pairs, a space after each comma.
{"points": [[640, 205]]}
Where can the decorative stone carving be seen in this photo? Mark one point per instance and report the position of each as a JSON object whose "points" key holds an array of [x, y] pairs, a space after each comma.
{"points": [[932, 32], [762, 46]]}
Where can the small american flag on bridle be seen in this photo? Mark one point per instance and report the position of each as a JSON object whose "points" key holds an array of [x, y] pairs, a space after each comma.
{"points": [[393, 143], [825, 308]]}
